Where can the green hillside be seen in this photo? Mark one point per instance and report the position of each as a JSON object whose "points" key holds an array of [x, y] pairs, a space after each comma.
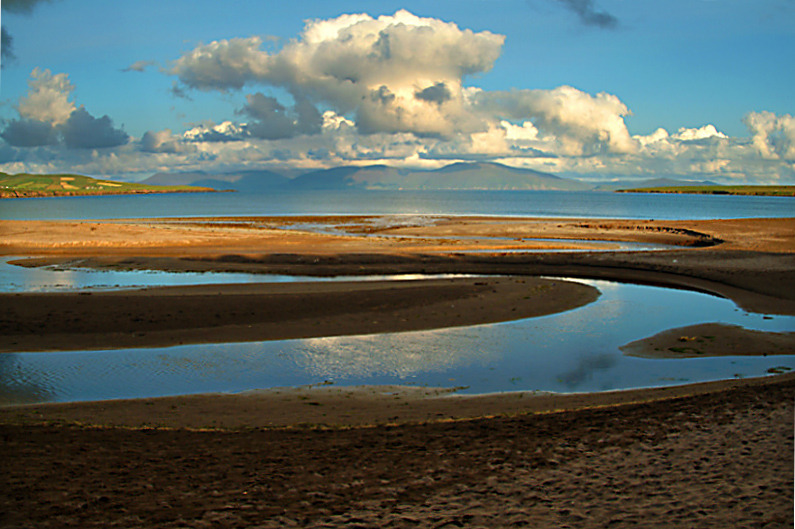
{"points": [[779, 191], [30, 185]]}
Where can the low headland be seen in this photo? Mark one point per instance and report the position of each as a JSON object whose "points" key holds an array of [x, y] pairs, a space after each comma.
{"points": [[756, 190], [63, 185]]}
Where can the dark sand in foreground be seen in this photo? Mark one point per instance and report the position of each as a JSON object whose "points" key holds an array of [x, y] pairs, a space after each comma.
{"points": [[720, 459], [708, 455]]}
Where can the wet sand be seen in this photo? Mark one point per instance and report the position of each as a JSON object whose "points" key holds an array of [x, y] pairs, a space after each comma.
{"points": [[712, 339], [708, 455], [161, 317]]}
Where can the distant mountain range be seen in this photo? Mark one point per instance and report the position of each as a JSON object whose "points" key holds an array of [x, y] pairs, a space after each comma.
{"points": [[244, 181], [457, 176]]}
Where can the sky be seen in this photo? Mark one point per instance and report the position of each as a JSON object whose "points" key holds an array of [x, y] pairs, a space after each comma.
{"points": [[593, 89]]}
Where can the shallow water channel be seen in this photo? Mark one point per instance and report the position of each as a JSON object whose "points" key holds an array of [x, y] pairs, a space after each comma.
{"points": [[70, 278], [573, 351]]}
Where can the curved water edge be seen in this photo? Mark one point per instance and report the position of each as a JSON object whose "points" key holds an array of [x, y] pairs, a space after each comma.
{"points": [[573, 351]]}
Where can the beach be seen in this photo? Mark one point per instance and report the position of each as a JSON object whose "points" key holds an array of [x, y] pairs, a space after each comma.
{"points": [[714, 456], [705, 455]]}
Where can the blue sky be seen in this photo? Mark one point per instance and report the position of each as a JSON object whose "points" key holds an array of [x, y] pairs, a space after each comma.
{"points": [[598, 89]]}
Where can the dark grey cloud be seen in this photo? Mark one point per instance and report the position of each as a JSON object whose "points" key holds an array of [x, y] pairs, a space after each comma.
{"points": [[308, 119], [589, 14], [263, 108], [273, 121], [80, 131], [383, 96], [84, 131], [178, 91], [29, 133], [215, 136], [438, 93], [22, 7], [270, 118], [6, 47], [139, 66]]}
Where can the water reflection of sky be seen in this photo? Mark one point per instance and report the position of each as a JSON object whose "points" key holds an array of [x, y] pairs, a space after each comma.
{"points": [[574, 351], [15, 278], [52, 279]]}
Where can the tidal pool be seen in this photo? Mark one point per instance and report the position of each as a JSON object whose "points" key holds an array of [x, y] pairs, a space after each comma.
{"points": [[573, 351]]}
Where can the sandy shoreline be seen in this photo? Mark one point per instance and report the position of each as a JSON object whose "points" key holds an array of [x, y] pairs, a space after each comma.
{"points": [[330, 406], [711, 455], [720, 456]]}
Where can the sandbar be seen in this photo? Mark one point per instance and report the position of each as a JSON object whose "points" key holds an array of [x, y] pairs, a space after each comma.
{"points": [[712, 339], [165, 316]]}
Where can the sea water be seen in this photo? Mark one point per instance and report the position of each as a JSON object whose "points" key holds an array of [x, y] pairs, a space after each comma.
{"points": [[588, 204]]}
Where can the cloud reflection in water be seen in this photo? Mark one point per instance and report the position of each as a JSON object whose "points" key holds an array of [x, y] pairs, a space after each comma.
{"points": [[400, 355], [586, 367]]}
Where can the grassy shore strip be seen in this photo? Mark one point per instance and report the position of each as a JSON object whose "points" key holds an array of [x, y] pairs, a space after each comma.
{"points": [[29, 185], [769, 191]]}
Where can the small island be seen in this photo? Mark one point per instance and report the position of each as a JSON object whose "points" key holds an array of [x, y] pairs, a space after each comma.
{"points": [[770, 191], [59, 185]]}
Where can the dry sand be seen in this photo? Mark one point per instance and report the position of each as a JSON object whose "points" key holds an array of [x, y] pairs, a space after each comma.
{"points": [[709, 455]]}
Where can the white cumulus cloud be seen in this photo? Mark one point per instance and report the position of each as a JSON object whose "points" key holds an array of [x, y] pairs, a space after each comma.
{"points": [[394, 73], [47, 99], [223, 132], [582, 123], [702, 133], [773, 136]]}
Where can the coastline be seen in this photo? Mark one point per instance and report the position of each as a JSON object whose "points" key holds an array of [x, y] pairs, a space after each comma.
{"points": [[749, 190], [17, 193]]}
